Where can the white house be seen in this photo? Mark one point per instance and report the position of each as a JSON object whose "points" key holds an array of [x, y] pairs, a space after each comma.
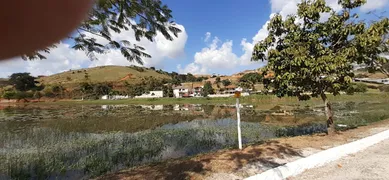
{"points": [[151, 94], [180, 91], [197, 91], [106, 97]]}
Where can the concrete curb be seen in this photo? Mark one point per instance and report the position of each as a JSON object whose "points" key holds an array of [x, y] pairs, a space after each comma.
{"points": [[319, 159]]}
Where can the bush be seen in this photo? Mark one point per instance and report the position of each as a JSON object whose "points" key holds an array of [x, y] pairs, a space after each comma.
{"points": [[356, 88], [23, 95], [9, 95]]}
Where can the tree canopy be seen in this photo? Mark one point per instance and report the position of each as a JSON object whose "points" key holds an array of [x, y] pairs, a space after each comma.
{"points": [[251, 78], [208, 89], [311, 55], [23, 81], [145, 17], [226, 82]]}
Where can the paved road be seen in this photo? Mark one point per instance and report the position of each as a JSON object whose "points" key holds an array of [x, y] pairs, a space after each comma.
{"points": [[372, 163]]}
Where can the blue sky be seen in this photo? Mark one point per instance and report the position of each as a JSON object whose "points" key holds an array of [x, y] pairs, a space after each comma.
{"points": [[217, 37]]}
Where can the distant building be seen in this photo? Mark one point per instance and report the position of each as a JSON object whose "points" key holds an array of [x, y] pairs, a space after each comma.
{"points": [[180, 91], [151, 94], [371, 80], [197, 91], [114, 97], [229, 89]]}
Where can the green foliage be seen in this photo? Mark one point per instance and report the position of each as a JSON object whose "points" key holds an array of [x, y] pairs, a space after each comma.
{"points": [[168, 91], [208, 89], [177, 79], [356, 88], [226, 82], [250, 79], [9, 95], [102, 89], [58, 90], [190, 77], [23, 81], [19, 95], [317, 55], [135, 90], [86, 88], [146, 18]]}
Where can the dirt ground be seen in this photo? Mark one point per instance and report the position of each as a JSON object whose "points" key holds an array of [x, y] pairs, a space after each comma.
{"points": [[253, 159]]}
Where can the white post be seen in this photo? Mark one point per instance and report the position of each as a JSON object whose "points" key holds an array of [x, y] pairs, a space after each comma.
{"points": [[238, 119]]}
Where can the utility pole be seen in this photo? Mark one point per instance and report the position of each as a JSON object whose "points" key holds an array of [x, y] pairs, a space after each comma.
{"points": [[237, 96]]}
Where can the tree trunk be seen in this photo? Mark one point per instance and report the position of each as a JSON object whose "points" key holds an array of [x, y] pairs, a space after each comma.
{"points": [[329, 114]]}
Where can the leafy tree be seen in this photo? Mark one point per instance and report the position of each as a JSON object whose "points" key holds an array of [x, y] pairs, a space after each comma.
{"points": [[245, 85], [250, 79], [168, 91], [176, 82], [226, 82], [23, 81], [190, 78], [311, 56], [101, 89], [146, 18], [135, 90], [208, 89], [85, 89], [58, 90]]}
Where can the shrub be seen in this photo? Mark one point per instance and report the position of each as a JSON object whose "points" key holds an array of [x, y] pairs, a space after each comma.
{"points": [[23, 95], [356, 87], [9, 95]]}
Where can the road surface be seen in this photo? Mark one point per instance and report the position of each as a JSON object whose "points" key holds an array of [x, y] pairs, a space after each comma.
{"points": [[372, 163]]}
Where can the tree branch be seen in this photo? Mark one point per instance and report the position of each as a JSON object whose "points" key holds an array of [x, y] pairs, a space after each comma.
{"points": [[80, 28]]}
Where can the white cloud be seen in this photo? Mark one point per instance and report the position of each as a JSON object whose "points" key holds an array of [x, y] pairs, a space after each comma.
{"points": [[64, 58], [214, 57], [60, 59], [192, 68], [374, 4], [207, 36]]}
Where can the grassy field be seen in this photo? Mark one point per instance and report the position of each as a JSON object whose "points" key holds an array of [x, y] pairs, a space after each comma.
{"points": [[258, 100], [102, 74]]}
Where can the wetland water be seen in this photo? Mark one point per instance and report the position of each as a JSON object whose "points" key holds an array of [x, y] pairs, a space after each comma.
{"points": [[84, 141]]}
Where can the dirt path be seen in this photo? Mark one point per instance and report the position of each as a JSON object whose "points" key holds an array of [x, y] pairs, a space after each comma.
{"points": [[372, 163], [254, 159]]}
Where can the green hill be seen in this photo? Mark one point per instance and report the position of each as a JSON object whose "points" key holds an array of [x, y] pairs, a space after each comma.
{"points": [[131, 74]]}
